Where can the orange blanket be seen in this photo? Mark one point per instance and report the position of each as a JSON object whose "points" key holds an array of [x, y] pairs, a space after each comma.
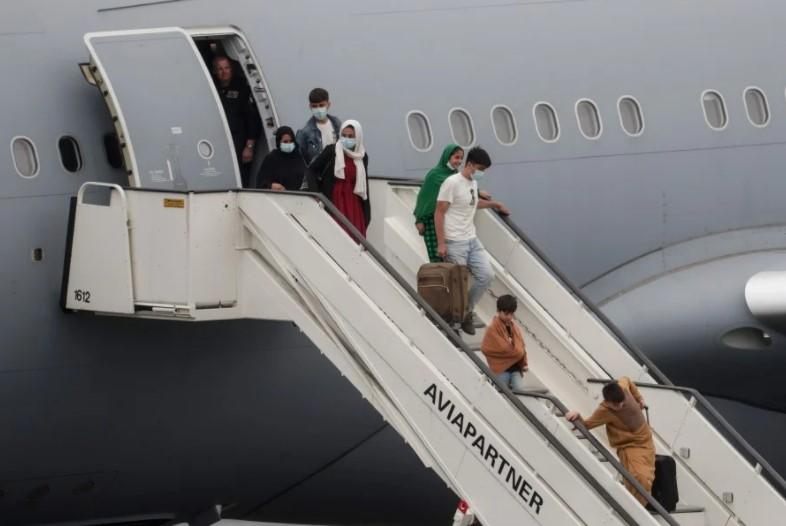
{"points": [[500, 349]]}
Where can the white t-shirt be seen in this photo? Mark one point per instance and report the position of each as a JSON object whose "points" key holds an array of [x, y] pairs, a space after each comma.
{"points": [[462, 194], [328, 134]]}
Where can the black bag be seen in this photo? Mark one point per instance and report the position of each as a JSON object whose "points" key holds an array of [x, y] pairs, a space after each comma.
{"points": [[444, 286], [664, 487]]}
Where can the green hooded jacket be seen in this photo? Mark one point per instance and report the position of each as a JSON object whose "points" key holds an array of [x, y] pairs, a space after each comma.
{"points": [[427, 197]]}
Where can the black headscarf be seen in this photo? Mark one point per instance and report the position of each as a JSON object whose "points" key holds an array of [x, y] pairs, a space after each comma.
{"points": [[283, 168]]}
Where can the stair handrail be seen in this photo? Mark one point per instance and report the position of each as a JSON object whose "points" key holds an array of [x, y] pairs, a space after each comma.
{"points": [[605, 453], [636, 353], [451, 335], [773, 475], [544, 260]]}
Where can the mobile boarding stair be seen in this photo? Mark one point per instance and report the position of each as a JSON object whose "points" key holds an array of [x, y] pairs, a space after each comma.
{"points": [[283, 256], [573, 349]]}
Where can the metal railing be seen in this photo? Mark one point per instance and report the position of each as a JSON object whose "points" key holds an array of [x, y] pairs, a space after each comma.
{"points": [[664, 383], [600, 448], [708, 410], [451, 335]]}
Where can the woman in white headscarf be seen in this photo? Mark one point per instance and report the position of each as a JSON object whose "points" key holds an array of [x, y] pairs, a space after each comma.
{"points": [[340, 173]]}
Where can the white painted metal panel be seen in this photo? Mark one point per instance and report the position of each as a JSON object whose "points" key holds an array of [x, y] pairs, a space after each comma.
{"points": [[159, 247], [100, 274], [213, 235]]}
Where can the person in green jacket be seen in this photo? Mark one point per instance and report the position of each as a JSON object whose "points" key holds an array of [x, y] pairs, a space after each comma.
{"points": [[448, 164]]}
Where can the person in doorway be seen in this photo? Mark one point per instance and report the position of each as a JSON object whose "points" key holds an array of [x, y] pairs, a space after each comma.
{"points": [[628, 431], [321, 130], [283, 168], [340, 173], [449, 164], [503, 344], [454, 220], [241, 113]]}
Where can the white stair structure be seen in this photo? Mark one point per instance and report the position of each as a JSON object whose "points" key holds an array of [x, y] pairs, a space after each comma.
{"points": [[281, 256], [573, 348]]}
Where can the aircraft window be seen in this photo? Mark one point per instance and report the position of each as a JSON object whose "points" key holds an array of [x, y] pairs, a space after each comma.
{"points": [[419, 129], [25, 157], [631, 118], [757, 108], [461, 127], [589, 119], [714, 110], [114, 155], [504, 125], [546, 122], [70, 155]]}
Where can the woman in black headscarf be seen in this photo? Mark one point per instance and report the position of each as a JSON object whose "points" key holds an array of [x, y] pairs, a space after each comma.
{"points": [[283, 168]]}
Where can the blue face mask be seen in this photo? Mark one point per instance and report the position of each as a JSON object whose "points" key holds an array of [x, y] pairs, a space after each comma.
{"points": [[478, 175], [287, 147], [348, 143], [319, 113]]}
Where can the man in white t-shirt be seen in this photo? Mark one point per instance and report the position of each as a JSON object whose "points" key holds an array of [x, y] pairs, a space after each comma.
{"points": [[321, 130], [454, 220]]}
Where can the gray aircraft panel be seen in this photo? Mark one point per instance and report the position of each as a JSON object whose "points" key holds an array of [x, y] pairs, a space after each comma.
{"points": [[178, 138]]}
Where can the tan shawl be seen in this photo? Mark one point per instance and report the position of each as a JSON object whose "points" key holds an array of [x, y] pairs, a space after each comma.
{"points": [[502, 353]]}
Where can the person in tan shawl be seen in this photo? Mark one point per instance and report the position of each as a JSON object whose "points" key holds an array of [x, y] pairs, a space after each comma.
{"points": [[503, 345], [628, 431]]}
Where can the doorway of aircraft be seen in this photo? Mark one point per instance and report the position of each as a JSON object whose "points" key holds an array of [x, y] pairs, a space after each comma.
{"points": [[170, 122], [214, 45]]}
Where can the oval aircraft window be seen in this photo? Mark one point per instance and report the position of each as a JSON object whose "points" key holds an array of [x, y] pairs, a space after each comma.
{"points": [[714, 110], [504, 125], [631, 118], [205, 149], [419, 130], [70, 155], [589, 119], [757, 108], [25, 157], [546, 122], [461, 127]]}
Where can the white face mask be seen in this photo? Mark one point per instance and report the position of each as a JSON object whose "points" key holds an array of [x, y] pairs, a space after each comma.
{"points": [[287, 147], [320, 113], [454, 168]]}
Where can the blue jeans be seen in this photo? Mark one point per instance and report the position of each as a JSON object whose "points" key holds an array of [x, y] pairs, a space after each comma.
{"points": [[513, 380], [472, 254]]}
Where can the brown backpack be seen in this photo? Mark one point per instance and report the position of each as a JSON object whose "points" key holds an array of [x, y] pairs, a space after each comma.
{"points": [[444, 286]]}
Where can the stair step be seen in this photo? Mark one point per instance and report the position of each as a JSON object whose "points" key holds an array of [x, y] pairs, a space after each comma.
{"points": [[688, 509], [531, 390], [687, 516]]}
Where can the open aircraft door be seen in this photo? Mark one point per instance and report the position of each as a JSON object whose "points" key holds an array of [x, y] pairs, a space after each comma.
{"points": [[169, 121]]}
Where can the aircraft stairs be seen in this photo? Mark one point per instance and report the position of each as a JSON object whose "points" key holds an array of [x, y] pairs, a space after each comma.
{"points": [[573, 349], [218, 255]]}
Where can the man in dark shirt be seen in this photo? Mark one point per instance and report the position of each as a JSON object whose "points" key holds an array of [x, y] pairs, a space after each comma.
{"points": [[241, 113]]}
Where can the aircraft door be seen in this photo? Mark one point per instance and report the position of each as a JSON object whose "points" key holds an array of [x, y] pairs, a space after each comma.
{"points": [[172, 129]]}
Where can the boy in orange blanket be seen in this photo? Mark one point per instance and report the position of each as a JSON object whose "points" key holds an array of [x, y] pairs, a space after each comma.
{"points": [[503, 345], [627, 430]]}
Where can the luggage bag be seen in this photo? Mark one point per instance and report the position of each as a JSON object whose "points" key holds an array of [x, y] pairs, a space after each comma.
{"points": [[664, 487], [444, 286]]}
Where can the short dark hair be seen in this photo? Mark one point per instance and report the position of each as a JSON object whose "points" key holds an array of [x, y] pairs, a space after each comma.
{"points": [[612, 392], [318, 95], [507, 303], [478, 155]]}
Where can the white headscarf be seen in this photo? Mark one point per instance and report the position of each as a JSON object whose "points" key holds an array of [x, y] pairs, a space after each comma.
{"points": [[357, 155]]}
